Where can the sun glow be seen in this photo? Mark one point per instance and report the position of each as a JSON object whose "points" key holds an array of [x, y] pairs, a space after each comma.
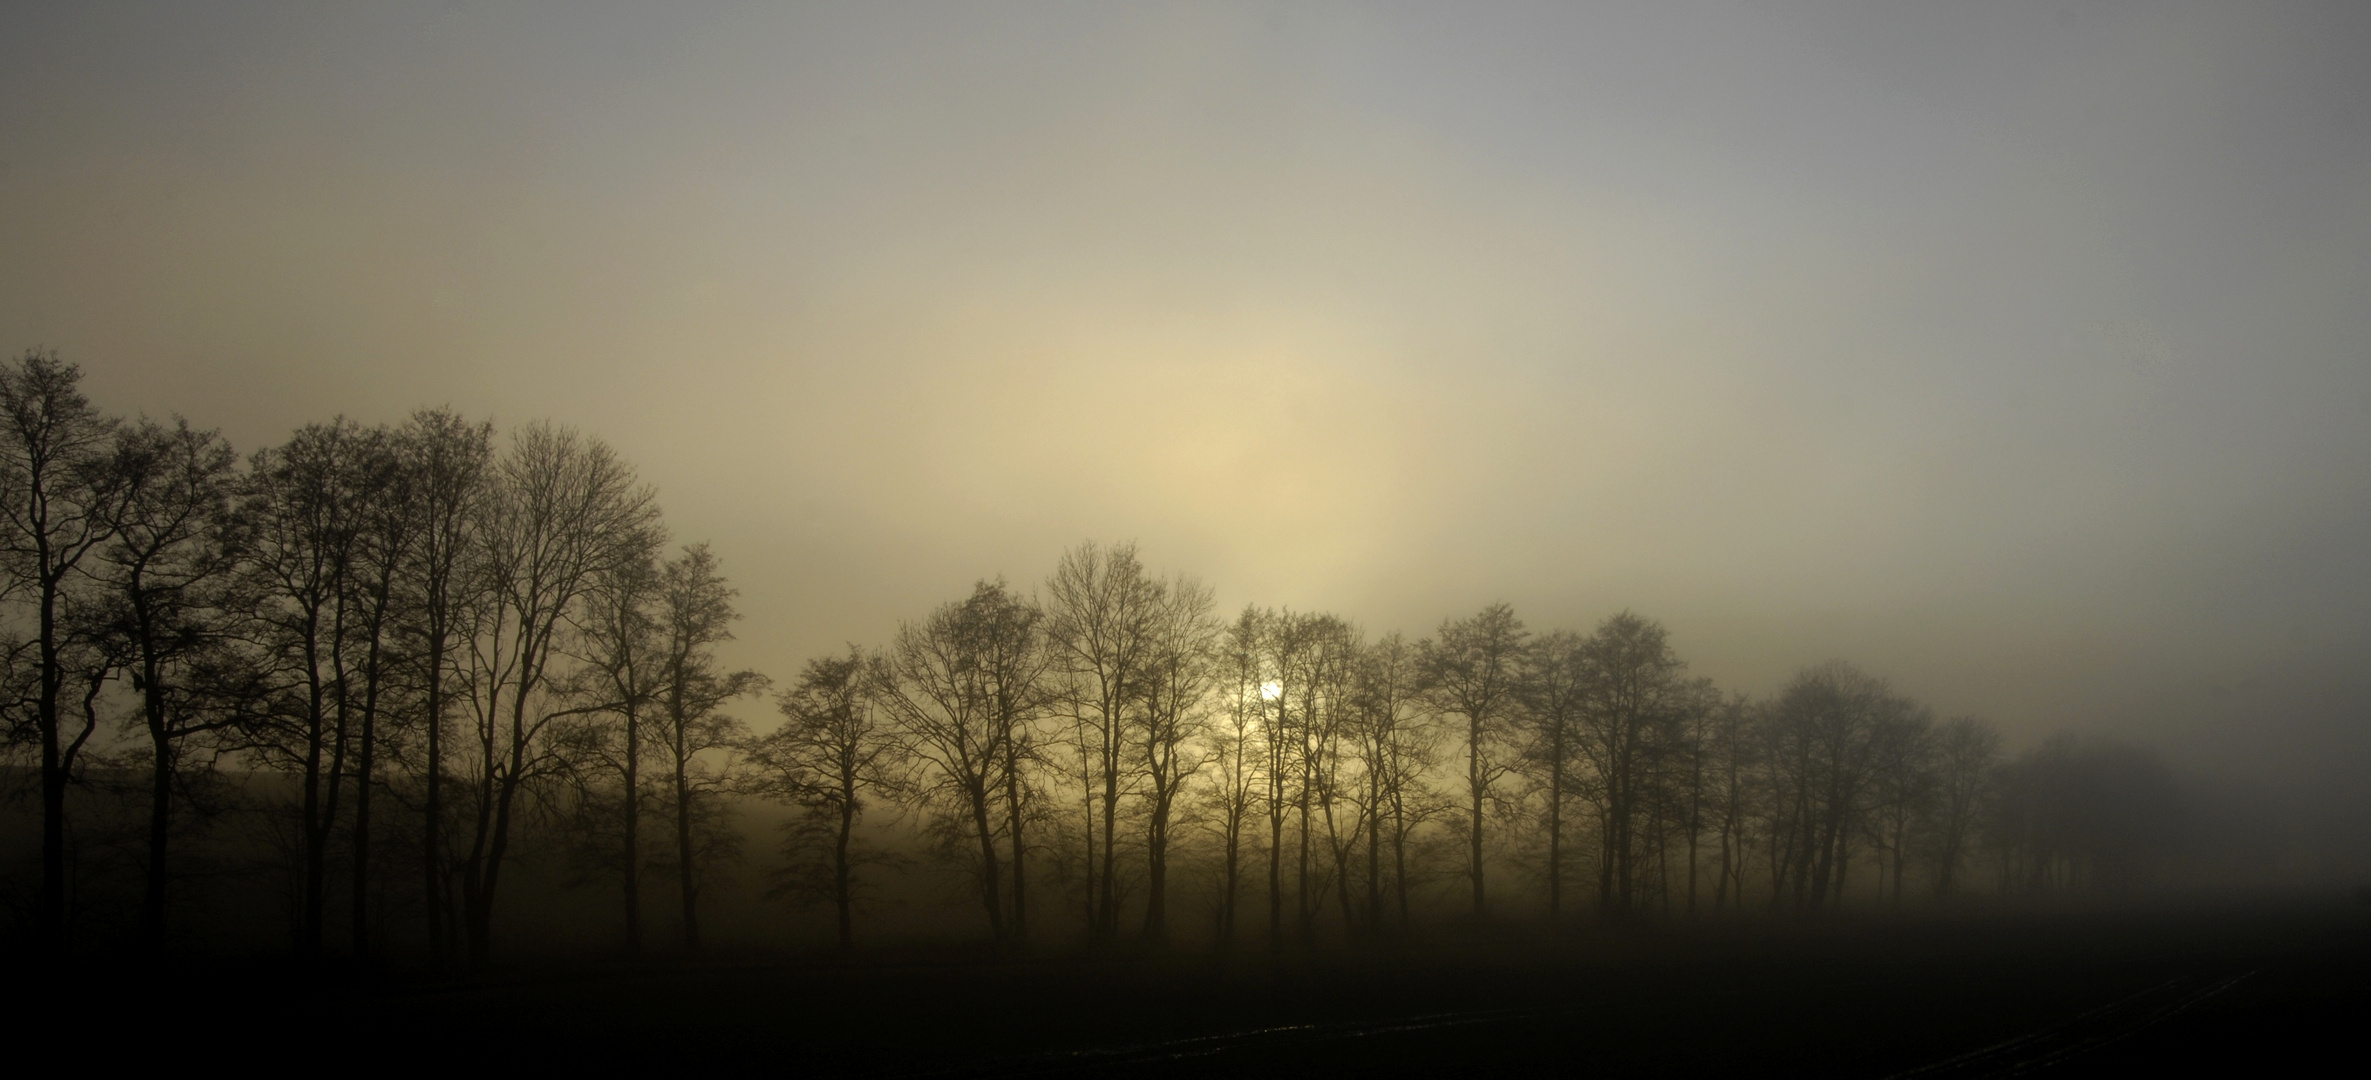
{"points": [[1270, 691]]}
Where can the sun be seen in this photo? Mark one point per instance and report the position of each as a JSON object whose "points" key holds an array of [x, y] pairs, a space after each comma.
{"points": [[1270, 691]]}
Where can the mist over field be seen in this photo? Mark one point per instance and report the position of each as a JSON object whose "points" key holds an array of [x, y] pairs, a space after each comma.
{"points": [[499, 487]]}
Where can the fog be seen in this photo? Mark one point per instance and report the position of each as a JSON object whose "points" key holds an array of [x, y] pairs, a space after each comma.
{"points": [[2016, 354]]}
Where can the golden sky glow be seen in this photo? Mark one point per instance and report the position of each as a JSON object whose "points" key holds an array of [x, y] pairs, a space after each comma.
{"points": [[2015, 352]]}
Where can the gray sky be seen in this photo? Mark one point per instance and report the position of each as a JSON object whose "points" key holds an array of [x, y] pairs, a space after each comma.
{"points": [[2017, 353]]}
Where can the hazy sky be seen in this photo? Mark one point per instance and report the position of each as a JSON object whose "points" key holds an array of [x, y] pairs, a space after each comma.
{"points": [[2018, 353]]}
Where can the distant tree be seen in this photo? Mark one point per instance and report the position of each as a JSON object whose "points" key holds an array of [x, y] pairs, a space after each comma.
{"points": [[1823, 741], [1324, 728], [1902, 789], [1399, 748], [2077, 815], [933, 683], [389, 526], [1182, 666], [1471, 671], [450, 462], [158, 577], [1730, 763], [563, 511], [1967, 752], [1235, 790], [832, 757], [696, 615], [1011, 660], [1327, 752], [1102, 611], [1698, 706], [618, 641], [1636, 708], [1555, 680], [305, 504], [58, 503], [1287, 636]]}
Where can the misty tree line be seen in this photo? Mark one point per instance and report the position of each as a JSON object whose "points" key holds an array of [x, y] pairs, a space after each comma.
{"points": [[434, 649]]}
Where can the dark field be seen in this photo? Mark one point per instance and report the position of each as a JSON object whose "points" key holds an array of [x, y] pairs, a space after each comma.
{"points": [[2247, 991]]}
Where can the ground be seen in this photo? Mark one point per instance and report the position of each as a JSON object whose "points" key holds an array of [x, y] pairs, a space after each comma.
{"points": [[2259, 989]]}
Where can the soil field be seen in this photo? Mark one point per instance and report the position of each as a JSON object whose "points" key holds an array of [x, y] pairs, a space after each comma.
{"points": [[2074, 994]]}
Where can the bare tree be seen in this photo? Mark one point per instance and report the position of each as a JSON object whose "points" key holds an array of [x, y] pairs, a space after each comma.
{"points": [[1730, 759], [1011, 659], [1325, 725], [1284, 639], [1636, 699], [1235, 754], [1902, 787], [1399, 748], [1471, 671], [388, 527], [1967, 752], [57, 505], [450, 463], [832, 756], [1823, 740], [170, 553], [304, 507], [1101, 616], [624, 670], [696, 615], [933, 685], [1555, 681], [1182, 666], [564, 510]]}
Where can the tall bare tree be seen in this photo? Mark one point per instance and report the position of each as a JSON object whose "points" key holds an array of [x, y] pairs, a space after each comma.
{"points": [[58, 496], [696, 615], [450, 461], [1555, 682], [1181, 669], [1967, 752], [1902, 790], [1284, 638], [1326, 725], [1235, 790], [1824, 727], [833, 755], [1635, 701], [1471, 672], [619, 642], [1102, 614], [387, 529], [1399, 748], [933, 681], [305, 505], [171, 551], [564, 511]]}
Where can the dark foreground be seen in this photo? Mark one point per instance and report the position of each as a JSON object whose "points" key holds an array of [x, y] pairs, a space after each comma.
{"points": [[2094, 994]]}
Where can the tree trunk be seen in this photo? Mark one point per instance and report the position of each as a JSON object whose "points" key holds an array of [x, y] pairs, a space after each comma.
{"points": [[1473, 779], [432, 890], [1012, 814], [687, 875], [1556, 822], [160, 812], [991, 894], [631, 871], [842, 885]]}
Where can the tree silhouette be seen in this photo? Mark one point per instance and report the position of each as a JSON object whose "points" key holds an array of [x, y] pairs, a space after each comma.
{"points": [[832, 757], [563, 512], [58, 504], [1472, 671], [159, 577], [696, 614]]}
